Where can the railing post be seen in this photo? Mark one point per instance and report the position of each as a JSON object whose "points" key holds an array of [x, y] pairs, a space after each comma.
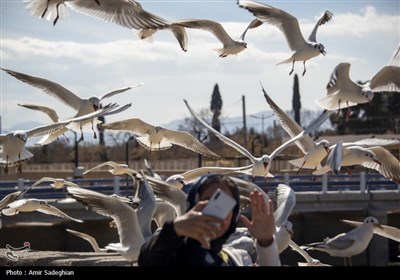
{"points": [[324, 183], [20, 184], [362, 182], [117, 184], [286, 178]]}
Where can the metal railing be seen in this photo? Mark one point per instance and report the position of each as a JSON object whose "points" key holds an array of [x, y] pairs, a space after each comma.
{"points": [[361, 182]]}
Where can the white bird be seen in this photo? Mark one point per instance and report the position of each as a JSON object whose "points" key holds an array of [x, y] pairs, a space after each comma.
{"points": [[385, 231], [129, 231], [230, 46], [348, 244], [261, 165], [127, 13], [289, 25], [33, 204], [342, 92], [310, 260], [83, 106], [150, 170], [314, 153], [117, 168], [58, 183], [13, 151], [7, 200], [12, 145], [376, 157], [158, 138], [179, 180]]}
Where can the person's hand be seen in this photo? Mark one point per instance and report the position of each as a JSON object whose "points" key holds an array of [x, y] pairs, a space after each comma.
{"points": [[262, 224], [197, 226]]}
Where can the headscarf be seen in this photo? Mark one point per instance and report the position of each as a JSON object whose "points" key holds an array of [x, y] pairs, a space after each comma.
{"points": [[194, 196]]}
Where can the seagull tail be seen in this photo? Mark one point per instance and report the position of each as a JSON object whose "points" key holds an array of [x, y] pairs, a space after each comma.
{"points": [[289, 60]]}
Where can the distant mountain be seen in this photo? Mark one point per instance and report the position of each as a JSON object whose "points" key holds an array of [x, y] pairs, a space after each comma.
{"points": [[255, 121], [23, 126]]}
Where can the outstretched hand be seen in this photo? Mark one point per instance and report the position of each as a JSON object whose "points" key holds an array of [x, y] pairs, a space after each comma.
{"points": [[262, 224], [195, 225]]}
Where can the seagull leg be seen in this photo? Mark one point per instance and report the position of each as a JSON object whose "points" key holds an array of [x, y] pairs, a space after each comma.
{"points": [[304, 65], [97, 1], [338, 111], [58, 15], [81, 139], [6, 169], [19, 167], [95, 135], [292, 68], [45, 10], [348, 113], [298, 171], [66, 137]]}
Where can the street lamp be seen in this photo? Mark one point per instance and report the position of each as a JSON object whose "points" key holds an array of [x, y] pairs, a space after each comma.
{"points": [[127, 149]]}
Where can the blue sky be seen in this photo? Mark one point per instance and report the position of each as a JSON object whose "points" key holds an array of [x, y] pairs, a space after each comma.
{"points": [[91, 57]]}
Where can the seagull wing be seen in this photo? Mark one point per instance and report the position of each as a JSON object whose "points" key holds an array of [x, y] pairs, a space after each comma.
{"points": [[135, 125], [253, 24], [389, 167], [386, 231], [222, 137], [9, 198], [193, 174], [49, 111], [124, 216], [49, 87], [51, 210], [45, 129], [147, 206], [325, 17], [214, 27], [128, 14], [286, 200], [186, 140], [114, 92], [287, 23], [44, 179], [109, 163], [339, 78], [88, 238], [290, 126], [387, 79]]}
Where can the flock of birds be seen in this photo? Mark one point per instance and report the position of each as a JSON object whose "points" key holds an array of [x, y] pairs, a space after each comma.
{"points": [[159, 201], [133, 215]]}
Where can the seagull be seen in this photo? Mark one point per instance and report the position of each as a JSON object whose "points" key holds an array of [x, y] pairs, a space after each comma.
{"points": [[126, 219], [9, 198], [385, 231], [117, 168], [58, 183], [33, 204], [147, 206], [314, 153], [158, 138], [289, 25], [13, 151], [261, 165], [342, 92], [375, 157], [83, 106], [230, 47], [127, 13], [150, 170], [179, 180], [348, 244]]}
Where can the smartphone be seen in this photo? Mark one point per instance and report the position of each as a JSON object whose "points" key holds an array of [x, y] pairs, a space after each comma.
{"points": [[219, 205]]}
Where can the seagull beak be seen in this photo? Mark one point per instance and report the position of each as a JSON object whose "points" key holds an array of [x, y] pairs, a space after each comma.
{"points": [[378, 162], [323, 52], [95, 107], [327, 149], [265, 164], [379, 226], [291, 233]]}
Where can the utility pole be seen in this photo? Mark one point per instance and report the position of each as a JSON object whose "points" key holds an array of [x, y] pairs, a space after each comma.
{"points": [[262, 124], [244, 121]]}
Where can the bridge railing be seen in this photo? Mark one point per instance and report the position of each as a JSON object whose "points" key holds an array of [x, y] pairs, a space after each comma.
{"points": [[361, 182]]}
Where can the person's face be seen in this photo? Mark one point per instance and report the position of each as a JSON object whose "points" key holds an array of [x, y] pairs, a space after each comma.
{"points": [[207, 193]]}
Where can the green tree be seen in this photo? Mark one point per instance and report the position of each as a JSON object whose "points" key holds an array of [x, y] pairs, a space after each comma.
{"points": [[296, 103]]}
